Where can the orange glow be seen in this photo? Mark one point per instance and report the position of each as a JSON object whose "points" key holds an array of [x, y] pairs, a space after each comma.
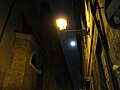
{"points": [[61, 23]]}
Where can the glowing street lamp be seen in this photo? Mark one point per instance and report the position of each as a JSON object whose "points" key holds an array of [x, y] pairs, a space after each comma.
{"points": [[62, 25]]}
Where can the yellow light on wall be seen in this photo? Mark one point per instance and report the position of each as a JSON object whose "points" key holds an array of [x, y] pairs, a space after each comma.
{"points": [[61, 23]]}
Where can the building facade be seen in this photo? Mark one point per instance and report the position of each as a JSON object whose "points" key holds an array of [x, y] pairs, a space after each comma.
{"points": [[100, 49], [31, 56]]}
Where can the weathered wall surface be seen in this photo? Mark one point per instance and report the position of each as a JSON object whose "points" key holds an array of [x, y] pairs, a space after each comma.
{"points": [[16, 52], [7, 36], [16, 73], [101, 48]]}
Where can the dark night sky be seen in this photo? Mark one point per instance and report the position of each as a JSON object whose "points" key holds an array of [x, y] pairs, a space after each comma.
{"points": [[65, 8], [72, 57]]}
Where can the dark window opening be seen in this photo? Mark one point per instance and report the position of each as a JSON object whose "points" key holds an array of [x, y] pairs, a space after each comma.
{"points": [[33, 61]]}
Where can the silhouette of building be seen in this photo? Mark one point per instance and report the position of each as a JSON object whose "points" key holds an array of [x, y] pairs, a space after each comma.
{"points": [[31, 56]]}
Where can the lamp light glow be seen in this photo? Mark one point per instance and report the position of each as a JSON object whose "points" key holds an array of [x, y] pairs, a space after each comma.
{"points": [[61, 23]]}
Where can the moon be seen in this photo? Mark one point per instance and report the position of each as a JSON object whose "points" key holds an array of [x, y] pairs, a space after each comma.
{"points": [[72, 43]]}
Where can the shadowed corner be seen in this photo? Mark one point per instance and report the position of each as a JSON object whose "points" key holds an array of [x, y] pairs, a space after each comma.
{"points": [[33, 63]]}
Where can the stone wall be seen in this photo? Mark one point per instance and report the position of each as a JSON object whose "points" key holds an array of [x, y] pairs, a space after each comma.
{"points": [[7, 36], [101, 48], [16, 52]]}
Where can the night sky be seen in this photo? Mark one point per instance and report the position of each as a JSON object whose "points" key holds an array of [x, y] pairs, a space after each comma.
{"points": [[72, 57], [65, 8]]}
